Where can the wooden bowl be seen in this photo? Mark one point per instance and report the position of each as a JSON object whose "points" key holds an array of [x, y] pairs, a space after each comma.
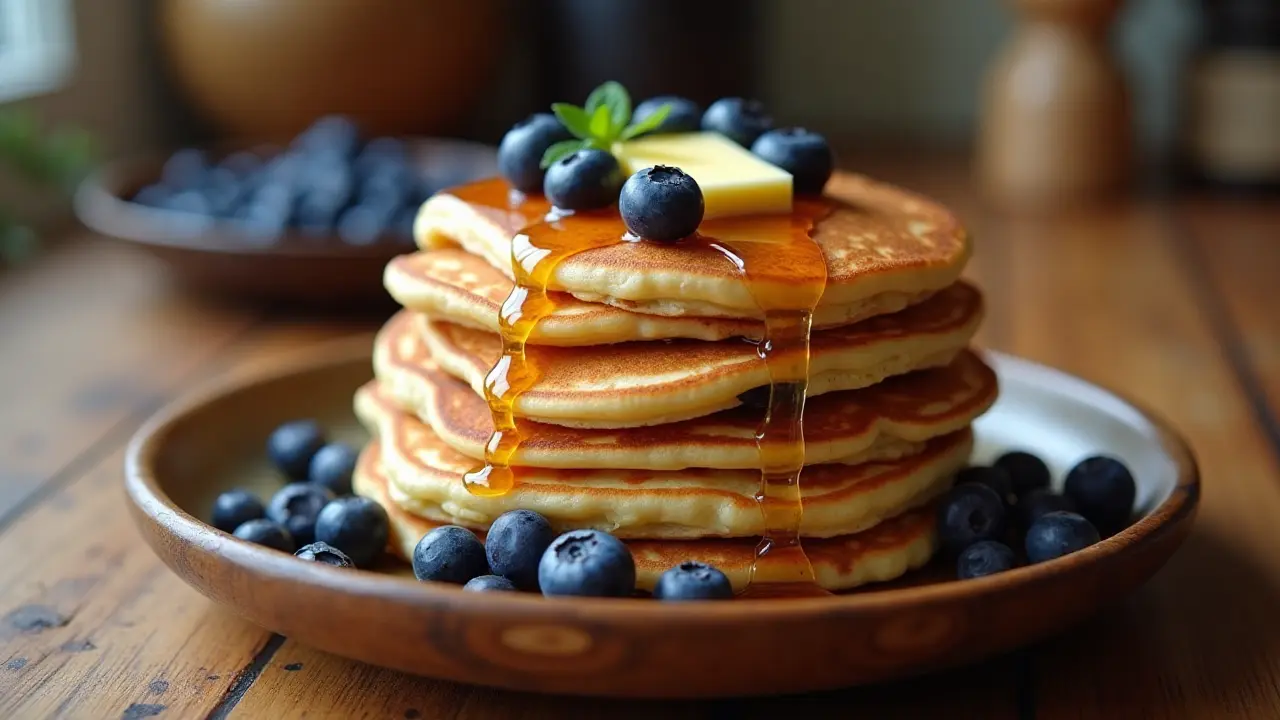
{"points": [[211, 258], [638, 647]]}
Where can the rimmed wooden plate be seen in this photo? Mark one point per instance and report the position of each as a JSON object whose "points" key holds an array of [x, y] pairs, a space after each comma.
{"points": [[635, 647]]}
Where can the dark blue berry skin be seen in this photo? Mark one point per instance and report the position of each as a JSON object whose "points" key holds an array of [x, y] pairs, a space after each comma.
{"points": [[295, 508], [587, 563], [693, 581], [324, 554], [155, 196], [800, 152], [357, 526], [233, 508], [490, 583], [184, 170], [450, 554], [739, 119], [361, 225], [987, 557], [292, 445], [521, 149], [661, 203], [1104, 492], [1057, 534], [993, 477], [967, 514], [583, 180], [684, 116], [332, 134], [514, 546], [1026, 471], [332, 467], [266, 532], [1039, 502]]}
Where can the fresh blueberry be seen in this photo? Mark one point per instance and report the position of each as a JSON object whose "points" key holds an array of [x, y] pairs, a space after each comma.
{"points": [[739, 119], [684, 116], [222, 191], [1103, 490], [993, 477], [265, 532], [234, 508], [451, 554], [332, 467], [490, 583], [325, 554], [402, 225], [802, 153], [1026, 471], [583, 180], [514, 546], [357, 526], [693, 581], [184, 170], [589, 563], [188, 201], [387, 188], [292, 445], [317, 215], [296, 506], [380, 153], [1059, 533], [967, 514], [661, 203], [155, 196], [1039, 502], [362, 225], [242, 164], [986, 557], [332, 134], [521, 149]]}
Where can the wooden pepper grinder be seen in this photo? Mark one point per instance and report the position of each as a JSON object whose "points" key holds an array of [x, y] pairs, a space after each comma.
{"points": [[1056, 124]]}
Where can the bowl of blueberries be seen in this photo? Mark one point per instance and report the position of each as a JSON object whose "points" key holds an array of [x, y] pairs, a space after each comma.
{"points": [[311, 222]]}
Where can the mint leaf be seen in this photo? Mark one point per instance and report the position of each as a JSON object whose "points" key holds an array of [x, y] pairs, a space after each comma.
{"points": [[611, 95], [646, 124], [575, 119], [561, 149], [600, 129]]}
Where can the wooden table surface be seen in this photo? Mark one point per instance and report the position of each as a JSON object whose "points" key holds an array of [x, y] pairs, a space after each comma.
{"points": [[1171, 298]]}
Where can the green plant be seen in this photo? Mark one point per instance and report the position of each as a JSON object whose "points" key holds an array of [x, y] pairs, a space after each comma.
{"points": [[604, 120], [52, 161]]}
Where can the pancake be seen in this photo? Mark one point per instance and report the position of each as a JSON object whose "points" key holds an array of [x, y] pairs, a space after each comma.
{"points": [[426, 479], [883, 247], [652, 383], [455, 286], [886, 421], [883, 553]]}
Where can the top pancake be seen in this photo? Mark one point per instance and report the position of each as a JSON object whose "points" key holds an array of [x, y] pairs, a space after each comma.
{"points": [[884, 248]]}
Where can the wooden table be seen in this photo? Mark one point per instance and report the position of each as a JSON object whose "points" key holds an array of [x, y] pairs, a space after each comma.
{"points": [[1171, 299]]}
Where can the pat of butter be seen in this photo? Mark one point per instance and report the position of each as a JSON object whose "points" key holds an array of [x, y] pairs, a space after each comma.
{"points": [[733, 181]]}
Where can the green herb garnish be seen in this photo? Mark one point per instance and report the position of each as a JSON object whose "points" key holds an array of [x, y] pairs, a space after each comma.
{"points": [[604, 120]]}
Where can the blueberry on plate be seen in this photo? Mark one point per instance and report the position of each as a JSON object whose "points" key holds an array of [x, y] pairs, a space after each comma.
{"points": [[1039, 502], [489, 583], [583, 180], [661, 203], [234, 508], [967, 514], [155, 196], [357, 526], [292, 445], [520, 152], [332, 134], [514, 546], [993, 477], [693, 581], [1103, 490], [266, 532], [739, 119], [803, 153], [451, 554], [184, 169], [987, 557], [587, 563], [325, 554], [362, 225], [332, 467], [1057, 534], [295, 508], [1026, 471], [684, 116]]}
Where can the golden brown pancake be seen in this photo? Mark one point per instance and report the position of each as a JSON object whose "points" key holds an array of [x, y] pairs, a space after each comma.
{"points": [[886, 421]]}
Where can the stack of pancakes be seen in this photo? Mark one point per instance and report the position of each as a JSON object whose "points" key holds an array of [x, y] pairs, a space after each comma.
{"points": [[643, 419]]}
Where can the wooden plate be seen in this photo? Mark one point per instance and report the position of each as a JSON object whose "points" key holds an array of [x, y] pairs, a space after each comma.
{"points": [[634, 647]]}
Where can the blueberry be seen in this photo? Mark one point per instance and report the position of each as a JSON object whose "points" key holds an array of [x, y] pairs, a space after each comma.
{"points": [[693, 581], [402, 224], [362, 225], [739, 119], [357, 526], [188, 201], [296, 506], [661, 203], [684, 116], [800, 152], [222, 191], [155, 196], [1039, 502], [993, 477], [489, 583], [184, 170], [1103, 490], [331, 134], [1059, 533], [325, 554], [986, 557], [1027, 471], [520, 153], [379, 154], [241, 164], [332, 467], [233, 508], [514, 546], [292, 445], [588, 563], [451, 554], [265, 532], [583, 180], [967, 514], [317, 214]]}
